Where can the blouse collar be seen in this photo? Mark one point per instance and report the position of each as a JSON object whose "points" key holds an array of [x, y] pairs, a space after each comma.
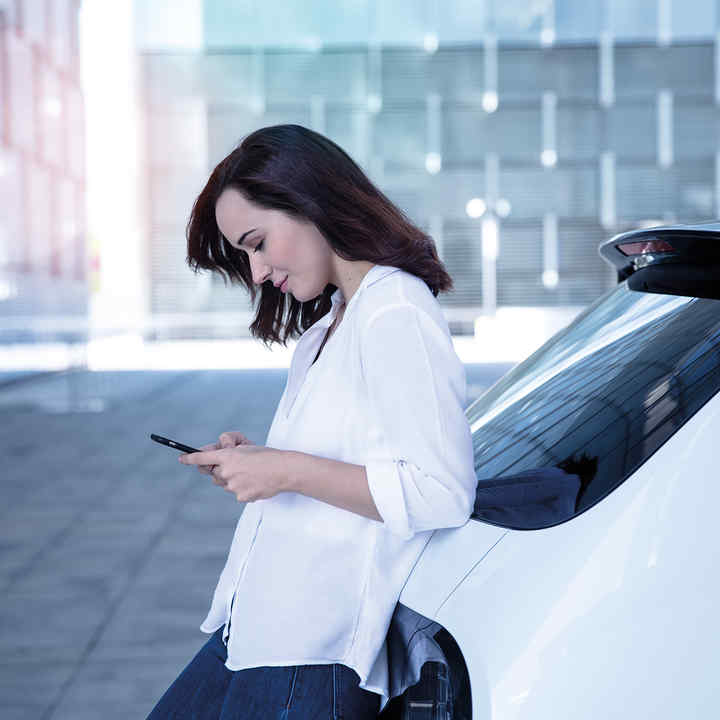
{"points": [[375, 273]]}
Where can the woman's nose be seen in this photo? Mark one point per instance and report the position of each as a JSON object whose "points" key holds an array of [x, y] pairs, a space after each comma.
{"points": [[259, 274]]}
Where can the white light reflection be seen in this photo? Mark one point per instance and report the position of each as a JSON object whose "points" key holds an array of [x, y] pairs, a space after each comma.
{"points": [[430, 42], [548, 158], [490, 101], [475, 207], [489, 238], [433, 163]]}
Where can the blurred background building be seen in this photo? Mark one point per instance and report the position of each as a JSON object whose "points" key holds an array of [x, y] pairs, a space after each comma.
{"points": [[518, 133], [44, 258]]}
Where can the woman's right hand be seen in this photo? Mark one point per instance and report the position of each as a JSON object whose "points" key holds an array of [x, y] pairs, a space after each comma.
{"points": [[229, 439]]}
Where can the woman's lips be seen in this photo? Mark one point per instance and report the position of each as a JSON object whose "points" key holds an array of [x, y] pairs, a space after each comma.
{"points": [[283, 287]]}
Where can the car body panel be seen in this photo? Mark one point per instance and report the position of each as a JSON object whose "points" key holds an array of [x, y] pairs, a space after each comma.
{"points": [[449, 556], [610, 614]]}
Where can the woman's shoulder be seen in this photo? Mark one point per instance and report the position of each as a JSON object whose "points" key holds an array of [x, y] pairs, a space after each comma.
{"points": [[397, 288]]}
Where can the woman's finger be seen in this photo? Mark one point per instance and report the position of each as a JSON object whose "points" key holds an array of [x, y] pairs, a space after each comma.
{"points": [[206, 469]]}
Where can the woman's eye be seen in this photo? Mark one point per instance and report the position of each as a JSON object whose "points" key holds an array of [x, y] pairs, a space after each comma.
{"points": [[259, 245]]}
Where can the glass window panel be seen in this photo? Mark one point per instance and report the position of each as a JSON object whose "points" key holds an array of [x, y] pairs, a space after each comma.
{"points": [[458, 73], [583, 273], [75, 129], [9, 9], [281, 113], [167, 251], [4, 81], [463, 21], [406, 74], [40, 219], [22, 87], [637, 70], [530, 191], [642, 192], [296, 21], [177, 136], [516, 132], [35, 21], [642, 70], [462, 256], [61, 38], [399, 136], [576, 21], [693, 190], [296, 76], [695, 129], [519, 19], [633, 20], [219, 77], [227, 124], [578, 132], [349, 128], [688, 69], [170, 76], [52, 116], [81, 249], [534, 191], [173, 193], [632, 130], [520, 74], [695, 25], [519, 263], [572, 72], [173, 25], [576, 191], [67, 228], [12, 218], [623, 396], [449, 192], [466, 136]]}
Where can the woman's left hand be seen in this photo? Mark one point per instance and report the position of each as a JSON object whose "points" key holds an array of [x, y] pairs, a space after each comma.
{"points": [[250, 472]]}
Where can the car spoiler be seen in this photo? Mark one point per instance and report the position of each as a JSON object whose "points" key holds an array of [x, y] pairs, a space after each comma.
{"points": [[669, 259]]}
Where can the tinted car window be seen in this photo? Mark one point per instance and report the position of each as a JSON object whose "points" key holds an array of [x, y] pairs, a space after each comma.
{"points": [[595, 402]]}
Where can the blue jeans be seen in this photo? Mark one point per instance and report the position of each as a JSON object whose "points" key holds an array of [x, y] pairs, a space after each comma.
{"points": [[207, 690]]}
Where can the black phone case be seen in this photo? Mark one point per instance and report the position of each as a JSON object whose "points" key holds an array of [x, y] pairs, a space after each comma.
{"points": [[173, 444]]}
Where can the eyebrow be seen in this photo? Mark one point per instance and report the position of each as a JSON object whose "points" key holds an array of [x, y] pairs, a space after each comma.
{"points": [[243, 236]]}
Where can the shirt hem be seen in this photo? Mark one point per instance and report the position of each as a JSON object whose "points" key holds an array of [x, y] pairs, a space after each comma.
{"points": [[305, 661], [209, 628]]}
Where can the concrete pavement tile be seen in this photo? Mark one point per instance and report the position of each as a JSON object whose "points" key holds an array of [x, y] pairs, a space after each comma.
{"points": [[118, 689], [99, 557], [25, 534], [158, 622], [54, 628], [31, 685], [25, 711], [122, 711]]}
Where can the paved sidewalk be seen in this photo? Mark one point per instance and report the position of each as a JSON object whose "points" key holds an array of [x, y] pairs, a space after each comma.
{"points": [[110, 549]]}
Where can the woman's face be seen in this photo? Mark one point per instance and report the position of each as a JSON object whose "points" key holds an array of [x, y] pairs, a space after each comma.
{"points": [[277, 245]]}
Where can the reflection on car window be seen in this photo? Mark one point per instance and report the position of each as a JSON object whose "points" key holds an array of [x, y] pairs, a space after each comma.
{"points": [[596, 402]]}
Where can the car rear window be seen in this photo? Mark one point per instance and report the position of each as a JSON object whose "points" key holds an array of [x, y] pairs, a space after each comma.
{"points": [[596, 401]]}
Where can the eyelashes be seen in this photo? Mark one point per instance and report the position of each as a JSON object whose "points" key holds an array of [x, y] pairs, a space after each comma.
{"points": [[259, 245]]}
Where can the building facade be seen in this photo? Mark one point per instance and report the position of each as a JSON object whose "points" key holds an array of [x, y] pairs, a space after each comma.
{"points": [[43, 255]]}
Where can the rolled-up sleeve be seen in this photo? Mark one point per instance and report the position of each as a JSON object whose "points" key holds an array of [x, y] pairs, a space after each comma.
{"points": [[420, 469]]}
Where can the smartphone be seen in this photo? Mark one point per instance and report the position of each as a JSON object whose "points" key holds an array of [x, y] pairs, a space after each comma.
{"points": [[173, 444]]}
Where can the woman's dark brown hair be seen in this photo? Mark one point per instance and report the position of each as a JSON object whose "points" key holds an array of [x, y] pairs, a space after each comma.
{"points": [[307, 176]]}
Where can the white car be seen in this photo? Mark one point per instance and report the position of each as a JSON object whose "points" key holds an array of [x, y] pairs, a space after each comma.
{"points": [[586, 585]]}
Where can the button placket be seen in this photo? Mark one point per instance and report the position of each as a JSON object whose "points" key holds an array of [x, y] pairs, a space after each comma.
{"points": [[241, 574], [305, 365]]}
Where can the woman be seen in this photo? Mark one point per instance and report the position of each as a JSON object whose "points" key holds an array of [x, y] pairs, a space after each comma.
{"points": [[368, 452]]}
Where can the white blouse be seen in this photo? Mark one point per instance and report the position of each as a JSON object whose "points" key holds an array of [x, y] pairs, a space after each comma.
{"points": [[311, 583]]}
